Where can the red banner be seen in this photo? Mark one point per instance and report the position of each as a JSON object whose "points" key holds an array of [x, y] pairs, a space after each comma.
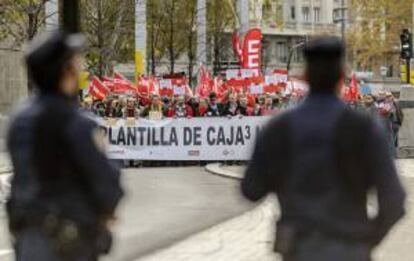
{"points": [[250, 54], [252, 58], [97, 89]]}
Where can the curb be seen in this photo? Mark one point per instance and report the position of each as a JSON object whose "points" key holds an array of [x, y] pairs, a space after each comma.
{"points": [[217, 169]]}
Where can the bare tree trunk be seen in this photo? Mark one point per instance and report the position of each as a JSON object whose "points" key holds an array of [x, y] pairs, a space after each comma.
{"points": [[190, 53], [152, 40], [101, 63], [171, 43]]}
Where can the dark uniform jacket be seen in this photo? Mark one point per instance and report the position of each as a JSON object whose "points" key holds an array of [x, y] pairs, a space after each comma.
{"points": [[321, 160], [60, 173]]}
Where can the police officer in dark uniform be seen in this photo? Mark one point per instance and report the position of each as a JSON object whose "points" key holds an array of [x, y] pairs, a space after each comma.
{"points": [[322, 159], [64, 191]]}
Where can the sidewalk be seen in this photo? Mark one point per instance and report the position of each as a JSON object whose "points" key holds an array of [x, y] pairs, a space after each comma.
{"points": [[249, 237]]}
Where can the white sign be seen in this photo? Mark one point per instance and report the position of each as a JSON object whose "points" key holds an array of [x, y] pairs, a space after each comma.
{"points": [[248, 73], [179, 90], [271, 79], [256, 89], [281, 78], [207, 139], [165, 84], [232, 74]]}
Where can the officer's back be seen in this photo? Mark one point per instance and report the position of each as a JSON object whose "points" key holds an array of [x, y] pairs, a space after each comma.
{"points": [[64, 192], [321, 159]]}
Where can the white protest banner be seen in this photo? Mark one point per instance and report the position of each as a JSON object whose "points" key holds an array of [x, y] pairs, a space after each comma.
{"points": [[233, 74], [281, 78], [179, 90], [271, 79], [206, 139], [165, 84], [248, 73], [256, 89]]}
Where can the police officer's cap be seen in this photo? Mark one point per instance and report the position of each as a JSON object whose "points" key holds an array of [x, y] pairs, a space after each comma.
{"points": [[324, 48], [48, 54]]}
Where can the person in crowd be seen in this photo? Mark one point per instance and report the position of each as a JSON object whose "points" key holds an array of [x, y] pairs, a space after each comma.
{"points": [[131, 110], [276, 100], [214, 108], [243, 108], [323, 170], [294, 100], [268, 108], [202, 107], [64, 191], [108, 107], [180, 109], [155, 106], [385, 108], [231, 107], [99, 108], [194, 102], [369, 105], [112, 109], [285, 105], [396, 117], [257, 110], [167, 105]]}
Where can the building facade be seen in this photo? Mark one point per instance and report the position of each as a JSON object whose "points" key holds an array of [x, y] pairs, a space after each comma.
{"points": [[287, 23]]}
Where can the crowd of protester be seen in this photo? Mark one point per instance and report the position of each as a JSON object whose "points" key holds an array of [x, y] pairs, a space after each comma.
{"points": [[232, 104], [383, 105]]}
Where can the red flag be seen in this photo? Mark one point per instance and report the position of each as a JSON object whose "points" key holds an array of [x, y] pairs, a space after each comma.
{"points": [[218, 84], [97, 89], [252, 50], [354, 88], [203, 88], [238, 49], [108, 82], [122, 84], [148, 85]]}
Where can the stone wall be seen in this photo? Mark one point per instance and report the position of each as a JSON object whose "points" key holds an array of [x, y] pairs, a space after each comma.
{"points": [[13, 80]]}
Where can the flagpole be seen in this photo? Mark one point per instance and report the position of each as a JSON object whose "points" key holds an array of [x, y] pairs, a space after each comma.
{"points": [[140, 37]]}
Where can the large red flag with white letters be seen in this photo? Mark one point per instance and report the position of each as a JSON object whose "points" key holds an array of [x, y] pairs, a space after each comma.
{"points": [[250, 54], [97, 89]]}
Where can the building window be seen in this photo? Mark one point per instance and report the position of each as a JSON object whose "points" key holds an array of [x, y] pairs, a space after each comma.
{"points": [[281, 52], [317, 14], [305, 14], [292, 13]]}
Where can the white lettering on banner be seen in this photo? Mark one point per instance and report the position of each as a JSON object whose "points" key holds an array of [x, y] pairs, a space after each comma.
{"points": [[253, 46], [253, 59], [207, 139]]}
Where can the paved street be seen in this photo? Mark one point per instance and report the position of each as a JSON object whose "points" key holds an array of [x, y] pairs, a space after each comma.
{"points": [[249, 237], [164, 206], [177, 214]]}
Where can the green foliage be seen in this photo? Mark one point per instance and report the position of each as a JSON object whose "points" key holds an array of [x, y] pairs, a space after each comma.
{"points": [[374, 33], [20, 20], [109, 28]]}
